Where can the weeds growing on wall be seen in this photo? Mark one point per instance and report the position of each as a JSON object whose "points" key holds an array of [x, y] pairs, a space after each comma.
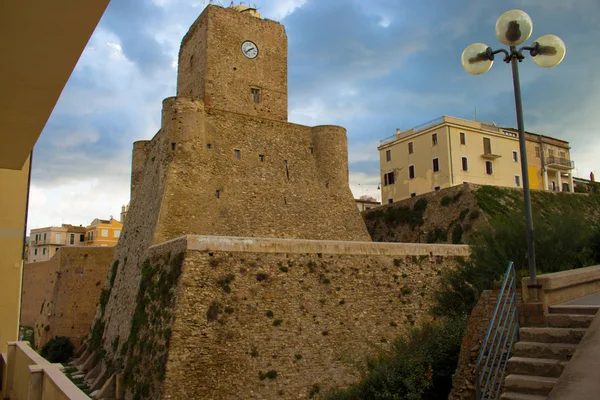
{"points": [[420, 366], [59, 349], [566, 232]]}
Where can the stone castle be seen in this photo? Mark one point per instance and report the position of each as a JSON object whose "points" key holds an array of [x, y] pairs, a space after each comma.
{"points": [[244, 269]]}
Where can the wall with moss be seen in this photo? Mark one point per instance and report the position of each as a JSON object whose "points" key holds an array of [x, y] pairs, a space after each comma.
{"points": [[453, 214], [252, 321], [60, 296], [449, 215]]}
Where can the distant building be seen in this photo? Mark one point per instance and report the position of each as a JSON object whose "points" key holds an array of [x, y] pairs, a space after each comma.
{"points": [[45, 242], [366, 204], [586, 185], [450, 151], [103, 232], [124, 210]]}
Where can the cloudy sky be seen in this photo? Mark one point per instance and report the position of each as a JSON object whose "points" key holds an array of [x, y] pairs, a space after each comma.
{"points": [[371, 66]]}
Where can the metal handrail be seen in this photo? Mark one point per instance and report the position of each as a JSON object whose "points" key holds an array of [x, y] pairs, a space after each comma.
{"points": [[502, 332], [560, 161]]}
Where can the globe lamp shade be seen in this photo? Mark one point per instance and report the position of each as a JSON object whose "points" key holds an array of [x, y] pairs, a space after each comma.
{"points": [[475, 59], [551, 51], [514, 27]]}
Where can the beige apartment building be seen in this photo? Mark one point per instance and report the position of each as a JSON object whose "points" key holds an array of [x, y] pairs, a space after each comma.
{"points": [[450, 151], [45, 242]]}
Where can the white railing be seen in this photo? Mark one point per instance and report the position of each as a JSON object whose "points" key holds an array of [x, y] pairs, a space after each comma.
{"points": [[27, 376]]}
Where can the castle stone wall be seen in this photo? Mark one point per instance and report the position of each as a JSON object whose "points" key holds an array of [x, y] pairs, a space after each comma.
{"points": [[311, 311], [60, 296], [213, 68]]}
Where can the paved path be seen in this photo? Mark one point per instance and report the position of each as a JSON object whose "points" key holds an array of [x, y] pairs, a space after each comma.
{"points": [[589, 300]]}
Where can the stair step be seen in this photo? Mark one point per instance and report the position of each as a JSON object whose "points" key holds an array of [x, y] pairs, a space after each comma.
{"points": [[529, 384], [569, 320], [521, 396], [574, 309], [556, 351], [552, 335], [536, 366]]}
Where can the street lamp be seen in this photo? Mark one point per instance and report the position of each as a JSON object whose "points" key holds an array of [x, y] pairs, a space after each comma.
{"points": [[513, 28]]}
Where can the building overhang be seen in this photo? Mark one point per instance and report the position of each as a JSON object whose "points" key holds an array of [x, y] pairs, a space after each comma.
{"points": [[40, 42], [490, 156]]}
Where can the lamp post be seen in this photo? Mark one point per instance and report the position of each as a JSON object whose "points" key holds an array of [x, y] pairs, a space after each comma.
{"points": [[513, 28]]}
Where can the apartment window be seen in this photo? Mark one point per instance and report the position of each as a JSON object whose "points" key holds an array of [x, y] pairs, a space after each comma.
{"points": [[465, 164], [515, 156], [35, 252], [411, 172], [255, 95], [537, 152], [261, 158], [44, 236], [388, 155], [237, 154], [390, 201], [37, 237], [436, 188], [463, 139], [550, 153], [489, 168], [517, 180], [117, 233], [72, 239], [82, 237], [388, 179], [434, 139], [487, 145], [436, 165], [411, 148], [104, 232], [413, 194], [44, 250], [562, 154]]}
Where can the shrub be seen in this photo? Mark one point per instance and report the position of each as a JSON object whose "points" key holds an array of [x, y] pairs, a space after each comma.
{"points": [[437, 235], [59, 349], [446, 200], [474, 214], [457, 233], [420, 366]]}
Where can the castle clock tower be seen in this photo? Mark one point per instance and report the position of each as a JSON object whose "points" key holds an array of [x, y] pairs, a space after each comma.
{"points": [[235, 61]]}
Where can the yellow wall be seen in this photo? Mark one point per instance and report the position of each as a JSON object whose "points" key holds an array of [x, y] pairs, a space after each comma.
{"points": [[13, 186], [504, 141], [113, 230], [449, 151]]}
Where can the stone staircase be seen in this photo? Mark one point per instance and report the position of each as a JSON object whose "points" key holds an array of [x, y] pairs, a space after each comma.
{"points": [[543, 352]]}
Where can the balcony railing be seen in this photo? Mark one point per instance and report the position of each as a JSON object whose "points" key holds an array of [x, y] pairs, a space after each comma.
{"points": [[415, 129], [560, 162]]}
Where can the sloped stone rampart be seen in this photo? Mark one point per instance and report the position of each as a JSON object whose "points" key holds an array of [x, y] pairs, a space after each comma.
{"points": [[265, 318]]}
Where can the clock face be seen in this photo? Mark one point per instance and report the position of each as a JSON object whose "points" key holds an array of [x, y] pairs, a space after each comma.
{"points": [[249, 49]]}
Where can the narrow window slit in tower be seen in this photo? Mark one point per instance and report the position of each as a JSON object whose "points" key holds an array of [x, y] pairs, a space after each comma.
{"points": [[173, 146], [237, 154], [255, 95], [261, 158], [312, 150], [208, 146], [218, 194]]}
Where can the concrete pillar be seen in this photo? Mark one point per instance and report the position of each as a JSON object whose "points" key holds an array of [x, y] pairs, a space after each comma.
{"points": [[36, 380], [545, 185], [571, 182], [11, 361]]}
